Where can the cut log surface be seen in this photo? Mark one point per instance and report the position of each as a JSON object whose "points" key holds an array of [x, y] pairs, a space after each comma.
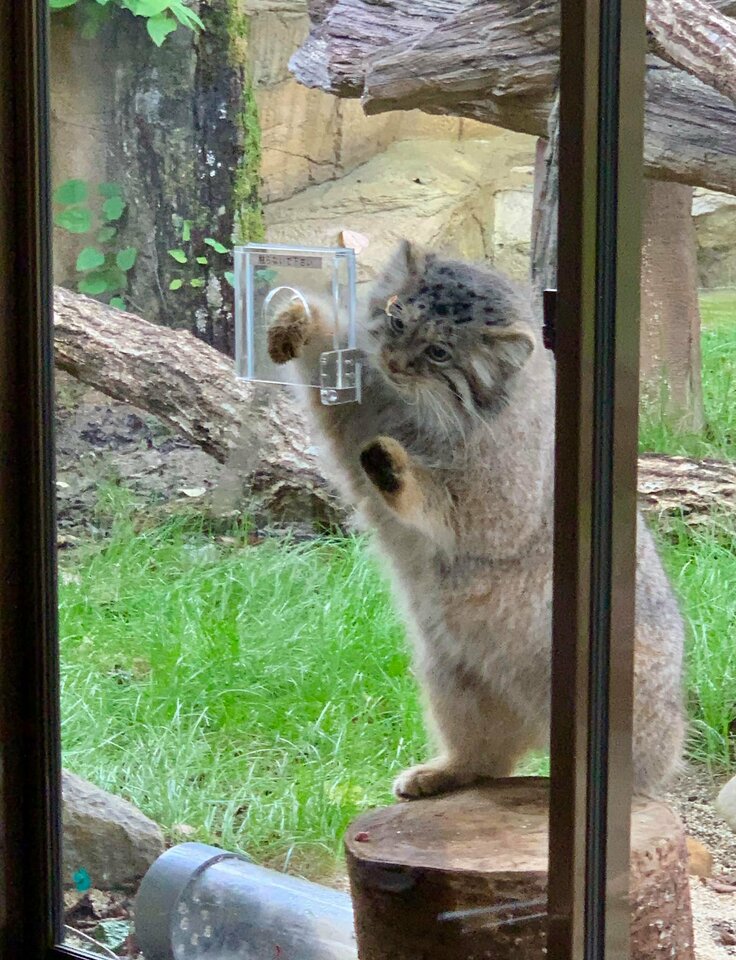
{"points": [[259, 431], [465, 875], [498, 63]]}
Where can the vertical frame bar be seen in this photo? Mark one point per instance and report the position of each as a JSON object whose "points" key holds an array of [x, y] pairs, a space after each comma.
{"points": [[30, 859], [601, 128]]}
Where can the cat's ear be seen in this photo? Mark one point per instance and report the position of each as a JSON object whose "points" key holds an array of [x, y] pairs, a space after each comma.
{"points": [[409, 260], [512, 346]]}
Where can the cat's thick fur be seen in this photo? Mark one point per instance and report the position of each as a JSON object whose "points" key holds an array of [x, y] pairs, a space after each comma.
{"points": [[449, 458]]}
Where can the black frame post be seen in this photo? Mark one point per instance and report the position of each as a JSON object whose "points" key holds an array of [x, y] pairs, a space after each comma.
{"points": [[30, 859], [602, 61]]}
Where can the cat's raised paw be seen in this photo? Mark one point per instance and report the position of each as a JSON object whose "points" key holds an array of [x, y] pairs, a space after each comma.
{"points": [[288, 334], [428, 780], [385, 462]]}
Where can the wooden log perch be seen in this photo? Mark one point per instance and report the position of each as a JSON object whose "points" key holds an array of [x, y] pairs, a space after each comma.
{"points": [[192, 387], [498, 63], [259, 431], [465, 875]]}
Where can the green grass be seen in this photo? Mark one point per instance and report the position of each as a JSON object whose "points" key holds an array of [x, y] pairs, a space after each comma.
{"points": [[260, 694], [702, 564], [718, 345]]}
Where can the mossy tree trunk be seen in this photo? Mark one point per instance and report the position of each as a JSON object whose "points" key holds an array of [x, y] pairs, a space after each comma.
{"points": [[178, 131]]}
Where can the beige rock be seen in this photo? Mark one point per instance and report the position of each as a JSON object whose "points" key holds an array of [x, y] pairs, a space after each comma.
{"points": [[106, 836], [440, 193], [299, 130], [715, 227], [437, 192], [272, 39], [726, 803], [512, 224], [700, 859]]}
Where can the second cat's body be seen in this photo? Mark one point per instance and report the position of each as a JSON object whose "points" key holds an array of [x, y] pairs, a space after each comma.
{"points": [[449, 459]]}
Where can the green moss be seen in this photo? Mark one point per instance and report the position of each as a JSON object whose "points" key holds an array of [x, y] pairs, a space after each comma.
{"points": [[248, 210]]}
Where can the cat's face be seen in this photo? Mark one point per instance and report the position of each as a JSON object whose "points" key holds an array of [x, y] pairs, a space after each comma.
{"points": [[447, 329]]}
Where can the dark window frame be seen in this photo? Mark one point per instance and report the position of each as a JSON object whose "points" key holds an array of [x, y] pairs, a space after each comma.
{"points": [[602, 62]]}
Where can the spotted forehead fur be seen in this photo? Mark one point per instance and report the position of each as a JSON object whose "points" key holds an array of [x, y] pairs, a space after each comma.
{"points": [[458, 294]]}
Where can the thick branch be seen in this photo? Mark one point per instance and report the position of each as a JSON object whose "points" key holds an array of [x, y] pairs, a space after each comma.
{"points": [[192, 388], [694, 36], [497, 63]]}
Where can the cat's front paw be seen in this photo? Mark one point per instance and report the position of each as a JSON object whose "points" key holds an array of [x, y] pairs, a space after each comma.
{"points": [[289, 333], [428, 780], [385, 462]]}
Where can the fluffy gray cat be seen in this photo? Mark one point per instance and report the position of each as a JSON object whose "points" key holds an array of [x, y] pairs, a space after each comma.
{"points": [[449, 458]]}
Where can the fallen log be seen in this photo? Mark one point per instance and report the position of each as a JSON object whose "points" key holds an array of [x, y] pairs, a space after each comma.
{"points": [[498, 63], [261, 434], [191, 387]]}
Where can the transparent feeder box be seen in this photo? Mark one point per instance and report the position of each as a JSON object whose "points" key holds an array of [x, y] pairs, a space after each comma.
{"points": [[269, 278], [200, 903]]}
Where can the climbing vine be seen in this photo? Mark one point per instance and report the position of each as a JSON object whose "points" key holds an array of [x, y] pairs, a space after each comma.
{"points": [[162, 16]]}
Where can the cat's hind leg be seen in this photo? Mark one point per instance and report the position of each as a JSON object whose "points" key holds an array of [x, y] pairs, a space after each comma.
{"points": [[480, 735]]}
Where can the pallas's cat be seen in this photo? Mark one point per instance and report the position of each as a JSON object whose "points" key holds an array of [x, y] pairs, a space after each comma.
{"points": [[449, 459]]}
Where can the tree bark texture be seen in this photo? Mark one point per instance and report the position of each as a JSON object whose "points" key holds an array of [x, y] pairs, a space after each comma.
{"points": [[261, 434], [498, 63], [465, 875], [670, 313], [695, 36]]}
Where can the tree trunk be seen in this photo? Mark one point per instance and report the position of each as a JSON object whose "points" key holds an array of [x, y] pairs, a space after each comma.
{"points": [[670, 314], [498, 63], [465, 875], [261, 434]]}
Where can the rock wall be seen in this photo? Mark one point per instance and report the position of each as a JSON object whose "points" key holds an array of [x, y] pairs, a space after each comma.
{"points": [[715, 227]]}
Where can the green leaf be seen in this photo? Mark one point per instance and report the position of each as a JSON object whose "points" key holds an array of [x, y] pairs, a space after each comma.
{"points": [[178, 255], [117, 302], [93, 285], [217, 247], [266, 275], [150, 8], [110, 190], [197, 282], [75, 220], [185, 15], [176, 285], [126, 258], [113, 208], [203, 260], [230, 277], [90, 259], [160, 27], [106, 234], [186, 231], [61, 4], [71, 191]]}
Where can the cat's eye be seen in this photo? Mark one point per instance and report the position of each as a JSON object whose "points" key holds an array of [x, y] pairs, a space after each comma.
{"points": [[395, 323], [437, 354]]}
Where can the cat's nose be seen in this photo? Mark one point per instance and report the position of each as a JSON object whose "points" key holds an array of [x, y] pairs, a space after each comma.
{"points": [[393, 366]]}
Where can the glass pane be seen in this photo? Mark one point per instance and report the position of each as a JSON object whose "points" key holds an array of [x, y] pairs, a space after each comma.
{"points": [[688, 356], [275, 607]]}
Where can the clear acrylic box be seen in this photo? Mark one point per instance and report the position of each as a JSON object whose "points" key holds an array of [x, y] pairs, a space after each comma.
{"points": [[269, 277]]}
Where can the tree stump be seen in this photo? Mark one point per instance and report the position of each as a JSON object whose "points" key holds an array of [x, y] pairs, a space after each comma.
{"points": [[464, 877]]}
